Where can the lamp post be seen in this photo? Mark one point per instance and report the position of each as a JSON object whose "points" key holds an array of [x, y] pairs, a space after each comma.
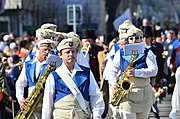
{"points": [[17, 18]]}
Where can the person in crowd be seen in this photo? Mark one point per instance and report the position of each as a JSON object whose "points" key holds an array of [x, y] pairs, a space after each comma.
{"points": [[156, 80], [100, 39], [23, 49], [137, 102], [175, 111], [32, 72], [172, 43], [175, 57], [147, 39], [88, 38], [145, 25], [71, 90], [5, 92], [104, 85]]}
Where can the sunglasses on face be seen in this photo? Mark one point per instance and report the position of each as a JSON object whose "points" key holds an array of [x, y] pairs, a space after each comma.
{"points": [[134, 38]]}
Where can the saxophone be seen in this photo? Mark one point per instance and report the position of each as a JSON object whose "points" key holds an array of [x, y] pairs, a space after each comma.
{"points": [[36, 96], [124, 85]]}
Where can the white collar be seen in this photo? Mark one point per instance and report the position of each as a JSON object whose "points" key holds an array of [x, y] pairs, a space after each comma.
{"points": [[76, 68], [35, 60]]}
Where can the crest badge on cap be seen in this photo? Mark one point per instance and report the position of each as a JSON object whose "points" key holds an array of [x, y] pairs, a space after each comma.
{"points": [[70, 44]]}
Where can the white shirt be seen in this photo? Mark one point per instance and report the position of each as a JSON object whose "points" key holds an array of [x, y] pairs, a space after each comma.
{"points": [[150, 71], [23, 81], [175, 111], [81, 60], [96, 99], [108, 64]]}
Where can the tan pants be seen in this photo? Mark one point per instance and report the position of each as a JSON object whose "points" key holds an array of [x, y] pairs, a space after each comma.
{"points": [[129, 115], [69, 108], [112, 109]]}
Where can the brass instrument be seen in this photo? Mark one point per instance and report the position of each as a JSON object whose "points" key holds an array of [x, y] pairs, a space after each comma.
{"points": [[36, 96], [86, 48], [124, 85]]}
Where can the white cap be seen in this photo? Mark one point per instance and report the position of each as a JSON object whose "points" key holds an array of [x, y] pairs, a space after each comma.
{"points": [[6, 38], [12, 45]]}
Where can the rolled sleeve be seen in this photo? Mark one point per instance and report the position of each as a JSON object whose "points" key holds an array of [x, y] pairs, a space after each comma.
{"points": [[151, 69]]}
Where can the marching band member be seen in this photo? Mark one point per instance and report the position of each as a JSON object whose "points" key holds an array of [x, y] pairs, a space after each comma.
{"points": [[32, 72], [71, 90], [110, 56], [137, 102]]}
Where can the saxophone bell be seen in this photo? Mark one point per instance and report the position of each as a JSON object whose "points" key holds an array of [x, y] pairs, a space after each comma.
{"points": [[126, 85]]}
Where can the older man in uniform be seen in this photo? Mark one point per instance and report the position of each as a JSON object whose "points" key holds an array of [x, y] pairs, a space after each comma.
{"points": [[137, 102], [71, 91], [110, 56], [32, 72], [46, 33]]}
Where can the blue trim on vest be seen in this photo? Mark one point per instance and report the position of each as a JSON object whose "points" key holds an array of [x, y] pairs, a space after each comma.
{"points": [[32, 55], [54, 51], [116, 48], [140, 61], [30, 72], [81, 79]]}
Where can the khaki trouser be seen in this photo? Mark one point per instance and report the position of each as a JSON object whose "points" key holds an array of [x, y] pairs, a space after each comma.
{"points": [[113, 110], [130, 115], [69, 108]]}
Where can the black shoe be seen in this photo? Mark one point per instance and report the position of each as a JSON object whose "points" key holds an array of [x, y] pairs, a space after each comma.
{"points": [[157, 115]]}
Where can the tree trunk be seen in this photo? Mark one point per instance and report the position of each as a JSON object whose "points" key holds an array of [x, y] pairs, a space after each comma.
{"points": [[111, 7]]}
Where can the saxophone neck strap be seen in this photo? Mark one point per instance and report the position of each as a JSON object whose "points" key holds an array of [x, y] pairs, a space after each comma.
{"points": [[74, 89]]}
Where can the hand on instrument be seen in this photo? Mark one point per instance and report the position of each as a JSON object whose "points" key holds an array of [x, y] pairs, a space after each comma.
{"points": [[130, 73], [22, 103], [114, 88]]}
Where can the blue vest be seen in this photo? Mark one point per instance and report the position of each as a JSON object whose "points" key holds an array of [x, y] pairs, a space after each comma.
{"points": [[54, 51], [140, 61], [116, 48], [30, 72], [32, 55], [81, 79]]}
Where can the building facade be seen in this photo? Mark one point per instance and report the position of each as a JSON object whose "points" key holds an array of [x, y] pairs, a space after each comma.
{"points": [[28, 15]]}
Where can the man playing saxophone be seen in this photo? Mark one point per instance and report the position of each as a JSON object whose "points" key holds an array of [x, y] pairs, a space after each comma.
{"points": [[110, 56], [32, 72], [137, 102]]}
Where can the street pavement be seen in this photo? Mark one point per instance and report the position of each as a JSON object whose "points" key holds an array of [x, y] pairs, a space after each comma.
{"points": [[164, 109]]}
